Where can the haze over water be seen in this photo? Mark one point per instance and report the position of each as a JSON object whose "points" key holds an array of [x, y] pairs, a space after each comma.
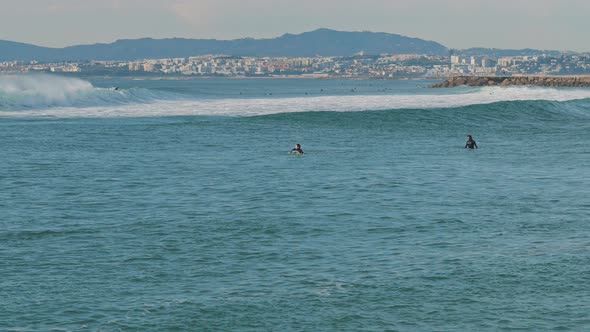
{"points": [[174, 205]]}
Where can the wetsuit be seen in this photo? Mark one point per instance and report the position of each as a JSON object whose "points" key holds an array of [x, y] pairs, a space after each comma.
{"points": [[297, 150], [471, 144]]}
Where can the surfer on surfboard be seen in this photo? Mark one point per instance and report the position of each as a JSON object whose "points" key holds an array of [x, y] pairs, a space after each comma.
{"points": [[296, 150]]}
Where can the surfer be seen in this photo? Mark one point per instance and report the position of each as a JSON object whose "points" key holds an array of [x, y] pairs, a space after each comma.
{"points": [[470, 143], [297, 150]]}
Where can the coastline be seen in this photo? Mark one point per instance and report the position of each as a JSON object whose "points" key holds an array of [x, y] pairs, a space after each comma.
{"points": [[581, 81], [237, 77]]}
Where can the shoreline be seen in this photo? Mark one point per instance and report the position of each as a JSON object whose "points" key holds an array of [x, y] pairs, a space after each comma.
{"points": [[578, 81], [196, 77]]}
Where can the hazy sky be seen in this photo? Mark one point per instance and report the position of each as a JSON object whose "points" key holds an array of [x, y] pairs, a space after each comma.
{"points": [[542, 24]]}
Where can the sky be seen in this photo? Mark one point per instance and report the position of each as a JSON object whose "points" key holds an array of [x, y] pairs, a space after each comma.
{"points": [[539, 24]]}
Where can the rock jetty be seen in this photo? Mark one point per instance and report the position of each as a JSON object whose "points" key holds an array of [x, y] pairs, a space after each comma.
{"points": [[552, 81]]}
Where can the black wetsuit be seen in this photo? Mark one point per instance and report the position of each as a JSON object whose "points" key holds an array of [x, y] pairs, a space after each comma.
{"points": [[297, 150], [471, 144]]}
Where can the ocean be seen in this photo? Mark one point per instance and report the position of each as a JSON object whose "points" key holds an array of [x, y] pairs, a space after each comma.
{"points": [[173, 205]]}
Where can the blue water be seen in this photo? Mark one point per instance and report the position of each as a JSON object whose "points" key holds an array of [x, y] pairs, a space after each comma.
{"points": [[167, 222]]}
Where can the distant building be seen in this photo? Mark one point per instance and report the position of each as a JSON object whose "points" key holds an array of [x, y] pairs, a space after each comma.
{"points": [[135, 66], [505, 61], [488, 63], [149, 67]]}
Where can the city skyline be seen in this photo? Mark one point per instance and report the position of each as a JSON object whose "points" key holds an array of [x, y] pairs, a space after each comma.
{"points": [[384, 66], [516, 24]]}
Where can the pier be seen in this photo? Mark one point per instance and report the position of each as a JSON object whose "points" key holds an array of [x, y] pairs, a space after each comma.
{"points": [[550, 81]]}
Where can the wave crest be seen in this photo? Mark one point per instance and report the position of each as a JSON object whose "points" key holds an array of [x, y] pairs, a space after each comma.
{"points": [[48, 95], [39, 91]]}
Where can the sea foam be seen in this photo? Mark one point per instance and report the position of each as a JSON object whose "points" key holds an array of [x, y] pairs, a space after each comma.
{"points": [[53, 96], [42, 91]]}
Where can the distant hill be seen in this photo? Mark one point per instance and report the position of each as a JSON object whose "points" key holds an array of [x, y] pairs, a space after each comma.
{"points": [[10, 51], [324, 42], [495, 52]]}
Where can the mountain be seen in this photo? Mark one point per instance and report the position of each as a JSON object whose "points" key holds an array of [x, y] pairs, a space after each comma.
{"points": [[495, 52], [18, 51], [324, 42]]}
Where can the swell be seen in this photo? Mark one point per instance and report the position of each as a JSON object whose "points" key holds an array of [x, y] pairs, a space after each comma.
{"points": [[52, 96], [524, 113], [39, 91]]}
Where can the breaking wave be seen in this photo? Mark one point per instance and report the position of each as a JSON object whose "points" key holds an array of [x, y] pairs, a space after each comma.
{"points": [[39, 91], [44, 95]]}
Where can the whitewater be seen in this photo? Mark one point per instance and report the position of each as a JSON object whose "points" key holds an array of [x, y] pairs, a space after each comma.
{"points": [[54, 96]]}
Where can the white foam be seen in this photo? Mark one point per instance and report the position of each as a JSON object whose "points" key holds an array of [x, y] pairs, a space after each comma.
{"points": [[261, 106], [39, 90]]}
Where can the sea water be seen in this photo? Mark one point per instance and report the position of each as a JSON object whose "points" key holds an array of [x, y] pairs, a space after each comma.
{"points": [[173, 205]]}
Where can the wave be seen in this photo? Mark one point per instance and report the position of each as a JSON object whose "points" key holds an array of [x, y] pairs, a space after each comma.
{"points": [[44, 95], [41, 91], [504, 114], [356, 103]]}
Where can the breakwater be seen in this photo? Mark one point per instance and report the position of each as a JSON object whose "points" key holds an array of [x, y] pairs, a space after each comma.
{"points": [[552, 81]]}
